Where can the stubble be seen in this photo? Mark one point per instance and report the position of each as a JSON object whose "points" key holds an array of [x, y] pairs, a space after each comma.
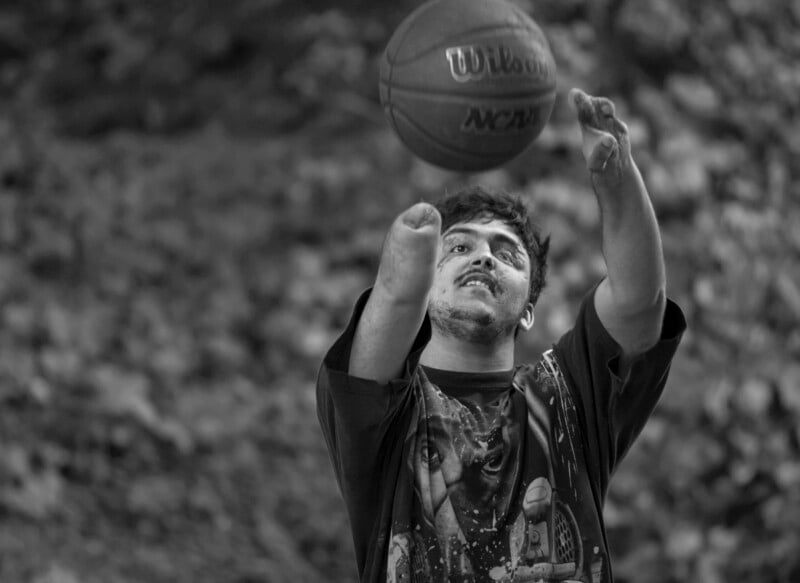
{"points": [[468, 325]]}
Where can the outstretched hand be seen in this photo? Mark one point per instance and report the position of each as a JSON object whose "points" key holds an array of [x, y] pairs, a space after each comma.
{"points": [[606, 144]]}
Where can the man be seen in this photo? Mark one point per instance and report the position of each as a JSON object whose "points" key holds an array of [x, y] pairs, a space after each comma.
{"points": [[457, 465]]}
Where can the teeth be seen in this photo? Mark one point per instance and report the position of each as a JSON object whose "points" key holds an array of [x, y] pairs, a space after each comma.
{"points": [[475, 282]]}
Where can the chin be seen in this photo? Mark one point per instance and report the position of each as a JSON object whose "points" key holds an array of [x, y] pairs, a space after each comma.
{"points": [[474, 312], [474, 320]]}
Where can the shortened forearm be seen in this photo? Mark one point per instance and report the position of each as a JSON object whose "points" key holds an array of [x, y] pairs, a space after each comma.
{"points": [[396, 307]]}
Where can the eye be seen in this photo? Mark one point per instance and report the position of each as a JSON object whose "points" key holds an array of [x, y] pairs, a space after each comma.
{"points": [[458, 248], [493, 463], [429, 456], [506, 255]]}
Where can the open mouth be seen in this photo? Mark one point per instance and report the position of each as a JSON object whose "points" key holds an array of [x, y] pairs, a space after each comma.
{"points": [[479, 280]]}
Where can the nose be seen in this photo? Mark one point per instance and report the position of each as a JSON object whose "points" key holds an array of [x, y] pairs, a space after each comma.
{"points": [[483, 258]]}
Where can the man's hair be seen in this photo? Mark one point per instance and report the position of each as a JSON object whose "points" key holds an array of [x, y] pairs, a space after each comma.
{"points": [[476, 202]]}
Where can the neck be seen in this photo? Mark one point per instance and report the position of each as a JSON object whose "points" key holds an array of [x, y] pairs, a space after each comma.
{"points": [[450, 353]]}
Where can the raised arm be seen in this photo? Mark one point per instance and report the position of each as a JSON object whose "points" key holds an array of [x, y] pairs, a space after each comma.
{"points": [[396, 307], [630, 302]]}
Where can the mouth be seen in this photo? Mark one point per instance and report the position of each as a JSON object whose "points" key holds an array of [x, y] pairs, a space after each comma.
{"points": [[479, 280]]}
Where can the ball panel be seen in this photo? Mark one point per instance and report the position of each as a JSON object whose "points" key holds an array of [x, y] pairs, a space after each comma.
{"points": [[494, 60], [440, 128], [459, 118], [411, 49], [480, 94], [427, 146], [442, 19]]}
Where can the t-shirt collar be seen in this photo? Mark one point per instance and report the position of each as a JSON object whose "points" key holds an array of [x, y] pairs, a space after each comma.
{"points": [[499, 380]]}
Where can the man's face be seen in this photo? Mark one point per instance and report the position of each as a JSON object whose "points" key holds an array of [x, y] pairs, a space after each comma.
{"points": [[481, 286]]}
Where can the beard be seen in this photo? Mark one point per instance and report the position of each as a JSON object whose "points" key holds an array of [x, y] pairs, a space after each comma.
{"points": [[471, 325]]}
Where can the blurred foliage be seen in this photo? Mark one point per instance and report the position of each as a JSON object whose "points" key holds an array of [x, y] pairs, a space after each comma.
{"points": [[193, 194]]}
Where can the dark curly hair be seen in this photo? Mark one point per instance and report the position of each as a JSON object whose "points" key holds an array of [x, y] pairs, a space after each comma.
{"points": [[476, 202]]}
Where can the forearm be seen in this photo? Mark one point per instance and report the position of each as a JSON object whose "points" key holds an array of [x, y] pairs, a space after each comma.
{"points": [[630, 302], [631, 244], [396, 308]]}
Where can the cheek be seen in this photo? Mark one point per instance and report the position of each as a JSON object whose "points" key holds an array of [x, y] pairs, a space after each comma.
{"points": [[516, 282], [518, 288], [444, 275], [444, 261], [439, 287], [442, 258]]}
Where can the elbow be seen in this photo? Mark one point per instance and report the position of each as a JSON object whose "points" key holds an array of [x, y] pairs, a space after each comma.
{"points": [[641, 302], [656, 300]]}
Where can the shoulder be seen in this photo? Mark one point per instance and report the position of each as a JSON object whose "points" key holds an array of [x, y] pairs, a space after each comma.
{"points": [[544, 377]]}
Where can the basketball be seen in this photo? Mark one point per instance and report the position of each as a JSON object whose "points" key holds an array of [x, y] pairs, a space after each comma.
{"points": [[467, 85]]}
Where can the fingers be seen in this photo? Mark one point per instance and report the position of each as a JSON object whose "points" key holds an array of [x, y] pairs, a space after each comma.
{"points": [[580, 103], [604, 154], [606, 142], [594, 112]]}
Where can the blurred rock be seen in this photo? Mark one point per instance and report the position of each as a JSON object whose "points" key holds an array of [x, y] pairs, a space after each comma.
{"points": [[57, 574], [696, 95], [655, 31], [34, 492]]}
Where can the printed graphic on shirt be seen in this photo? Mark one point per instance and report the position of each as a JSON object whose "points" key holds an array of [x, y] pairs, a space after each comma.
{"points": [[494, 489]]}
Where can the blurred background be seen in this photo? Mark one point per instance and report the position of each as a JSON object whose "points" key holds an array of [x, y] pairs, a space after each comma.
{"points": [[192, 195]]}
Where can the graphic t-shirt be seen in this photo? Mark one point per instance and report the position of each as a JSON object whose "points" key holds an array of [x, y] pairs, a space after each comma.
{"points": [[478, 477]]}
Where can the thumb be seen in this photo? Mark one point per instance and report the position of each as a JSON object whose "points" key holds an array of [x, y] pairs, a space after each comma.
{"points": [[600, 149]]}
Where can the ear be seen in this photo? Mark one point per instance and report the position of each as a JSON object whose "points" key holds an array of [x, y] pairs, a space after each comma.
{"points": [[526, 320]]}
